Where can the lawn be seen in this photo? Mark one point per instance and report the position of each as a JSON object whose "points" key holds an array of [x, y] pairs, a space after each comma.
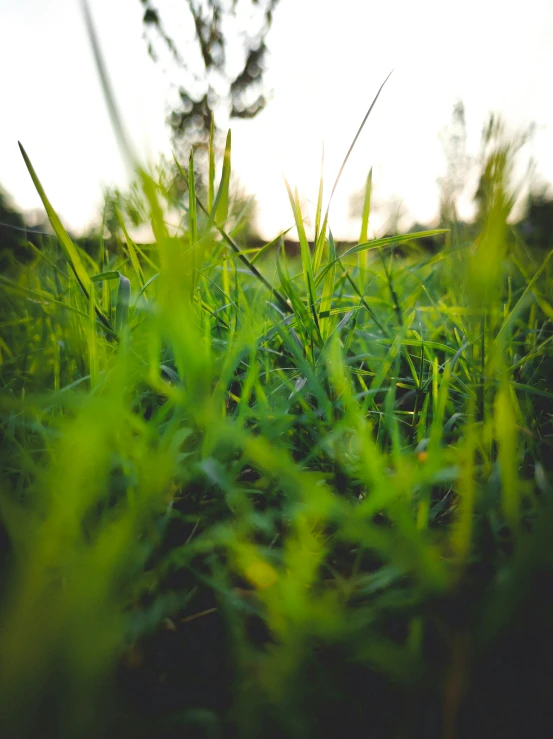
{"points": [[250, 495]]}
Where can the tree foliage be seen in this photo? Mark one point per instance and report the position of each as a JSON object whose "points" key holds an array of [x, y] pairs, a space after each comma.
{"points": [[221, 70]]}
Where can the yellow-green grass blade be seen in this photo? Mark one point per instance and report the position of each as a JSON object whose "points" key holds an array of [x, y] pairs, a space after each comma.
{"points": [[253, 269], [116, 120], [306, 263], [123, 297], [211, 170], [241, 220], [384, 242], [297, 304], [439, 401], [131, 247], [256, 251], [198, 249], [268, 246], [145, 257], [92, 343], [68, 246], [319, 233], [40, 296], [367, 114], [389, 240], [384, 370], [192, 211], [364, 235], [328, 291], [305, 252], [522, 301], [219, 213], [365, 303], [225, 177]]}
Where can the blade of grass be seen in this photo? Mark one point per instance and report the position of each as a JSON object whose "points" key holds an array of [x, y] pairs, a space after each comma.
{"points": [[522, 301], [66, 243], [319, 233], [306, 263], [131, 247], [367, 114], [270, 244], [328, 290], [383, 242], [123, 297], [364, 235], [282, 302], [123, 140], [211, 170]]}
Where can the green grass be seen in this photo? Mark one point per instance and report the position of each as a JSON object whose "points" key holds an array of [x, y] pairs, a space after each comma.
{"points": [[275, 497]]}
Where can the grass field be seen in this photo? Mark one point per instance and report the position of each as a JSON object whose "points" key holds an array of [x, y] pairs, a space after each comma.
{"points": [[246, 495]]}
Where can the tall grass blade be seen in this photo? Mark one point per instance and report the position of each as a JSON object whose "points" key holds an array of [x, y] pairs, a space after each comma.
{"points": [[252, 268], [123, 140], [320, 233], [69, 248], [328, 290], [211, 167], [380, 243], [123, 297], [219, 214], [367, 114], [131, 246], [306, 263], [364, 235]]}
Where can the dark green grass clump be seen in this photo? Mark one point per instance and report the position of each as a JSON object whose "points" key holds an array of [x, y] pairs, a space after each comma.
{"points": [[248, 498]]}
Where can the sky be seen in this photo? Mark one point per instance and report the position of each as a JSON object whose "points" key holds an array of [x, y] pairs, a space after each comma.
{"points": [[327, 61]]}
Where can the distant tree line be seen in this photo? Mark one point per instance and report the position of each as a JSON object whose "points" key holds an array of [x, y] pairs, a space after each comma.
{"points": [[17, 237]]}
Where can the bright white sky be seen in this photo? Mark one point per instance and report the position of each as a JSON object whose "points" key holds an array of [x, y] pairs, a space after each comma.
{"points": [[327, 61]]}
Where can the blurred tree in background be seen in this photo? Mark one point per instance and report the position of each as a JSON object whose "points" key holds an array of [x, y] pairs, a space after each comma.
{"points": [[12, 225], [537, 225], [16, 235], [497, 156], [454, 143], [221, 68]]}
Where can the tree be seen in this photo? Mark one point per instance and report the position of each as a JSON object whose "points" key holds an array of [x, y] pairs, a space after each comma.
{"points": [[223, 68], [537, 225], [495, 191], [16, 234], [12, 233], [452, 184]]}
